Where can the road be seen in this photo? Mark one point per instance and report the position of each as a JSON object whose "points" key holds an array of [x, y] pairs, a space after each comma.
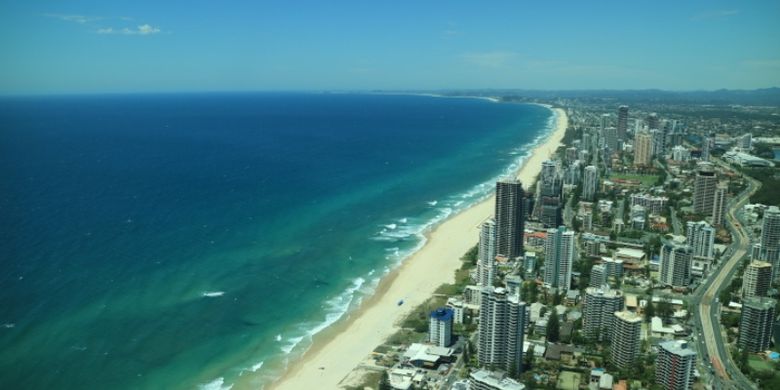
{"points": [[707, 317]]}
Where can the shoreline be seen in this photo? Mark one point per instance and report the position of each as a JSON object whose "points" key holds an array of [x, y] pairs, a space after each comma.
{"points": [[338, 350]]}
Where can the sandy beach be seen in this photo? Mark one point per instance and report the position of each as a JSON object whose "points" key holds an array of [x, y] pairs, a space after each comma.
{"points": [[341, 349]]}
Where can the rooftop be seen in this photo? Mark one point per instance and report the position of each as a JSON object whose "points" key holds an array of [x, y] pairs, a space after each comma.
{"points": [[678, 347], [496, 380]]}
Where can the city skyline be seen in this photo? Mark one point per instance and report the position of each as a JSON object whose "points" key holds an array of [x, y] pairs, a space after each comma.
{"points": [[86, 47]]}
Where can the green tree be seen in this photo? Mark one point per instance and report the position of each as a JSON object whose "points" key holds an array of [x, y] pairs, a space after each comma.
{"points": [[649, 309], [553, 328], [384, 383]]}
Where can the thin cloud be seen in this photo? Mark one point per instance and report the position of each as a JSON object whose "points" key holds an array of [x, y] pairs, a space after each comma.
{"points": [[772, 63], [491, 59], [80, 19], [716, 14], [144, 29]]}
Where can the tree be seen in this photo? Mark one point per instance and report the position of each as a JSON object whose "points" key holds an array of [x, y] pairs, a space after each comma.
{"points": [[553, 327], [384, 383], [649, 309], [665, 309]]}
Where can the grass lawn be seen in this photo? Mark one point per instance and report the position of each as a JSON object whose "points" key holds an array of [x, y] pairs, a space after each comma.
{"points": [[647, 180], [568, 380], [759, 364]]}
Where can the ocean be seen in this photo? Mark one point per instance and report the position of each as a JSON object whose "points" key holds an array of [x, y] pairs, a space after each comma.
{"points": [[200, 240]]}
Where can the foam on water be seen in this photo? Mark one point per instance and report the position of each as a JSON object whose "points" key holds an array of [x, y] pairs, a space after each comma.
{"points": [[213, 294], [216, 384]]}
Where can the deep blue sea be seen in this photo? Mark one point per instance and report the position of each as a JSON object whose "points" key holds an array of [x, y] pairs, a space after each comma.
{"points": [[200, 240]]}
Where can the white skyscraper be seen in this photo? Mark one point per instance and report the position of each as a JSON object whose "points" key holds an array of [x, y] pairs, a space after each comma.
{"points": [[719, 204], [598, 307], [501, 326], [559, 258], [757, 279], [590, 183], [486, 259], [440, 327], [675, 365], [626, 329], [769, 248], [676, 265], [701, 239]]}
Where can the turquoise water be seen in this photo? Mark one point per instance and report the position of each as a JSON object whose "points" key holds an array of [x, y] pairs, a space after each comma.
{"points": [[185, 241]]}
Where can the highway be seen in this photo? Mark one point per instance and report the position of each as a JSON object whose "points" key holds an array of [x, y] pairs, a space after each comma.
{"points": [[711, 343]]}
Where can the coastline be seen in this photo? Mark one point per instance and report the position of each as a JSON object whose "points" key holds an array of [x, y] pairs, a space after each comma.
{"points": [[337, 351]]}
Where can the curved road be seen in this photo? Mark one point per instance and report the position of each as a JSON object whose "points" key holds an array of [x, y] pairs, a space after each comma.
{"points": [[707, 317]]}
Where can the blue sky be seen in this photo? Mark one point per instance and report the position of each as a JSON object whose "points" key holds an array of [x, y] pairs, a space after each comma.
{"points": [[156, 46]]}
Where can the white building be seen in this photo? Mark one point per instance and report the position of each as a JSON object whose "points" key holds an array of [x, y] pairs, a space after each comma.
{"points": [[675, 365], [598, 307], [590, 183], [501, 328], [626, 329], [559, 257], [757, 279], [486, 261], [489, 380], [676, 265], [440, 328], [701, 238]]}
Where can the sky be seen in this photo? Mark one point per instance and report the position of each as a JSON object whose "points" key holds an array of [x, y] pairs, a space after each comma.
{"points": [[118, 46]]}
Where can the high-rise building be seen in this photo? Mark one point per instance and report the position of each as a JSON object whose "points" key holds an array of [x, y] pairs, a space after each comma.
{"points": [[590, 183], [509, 218], [658, 141], [626, 329], [719, 204], [707, 144], [681, 153], [755, 323], [704, 188], [675, 365], [643, 148], [652, 121], [757, 279], [486, 258], [559, 258], [598, 275], [598, 308], [440, 327], [701, 238], [676, 265], [770, 230], [549, 179], [605, 122], [551, 211], [746, 141], [622, 122], [501, 325], [769, 248], [653, 204], [611, 138]]}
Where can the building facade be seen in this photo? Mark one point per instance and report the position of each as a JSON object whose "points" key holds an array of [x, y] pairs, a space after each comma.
{"points": [[598, 308], [757, 279], [510, 218], [626, 329], [675, 265], [501, 325], [755, 324], [440, 327], [675, 365], [704, 184], [559, 250], [486, 260]]}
